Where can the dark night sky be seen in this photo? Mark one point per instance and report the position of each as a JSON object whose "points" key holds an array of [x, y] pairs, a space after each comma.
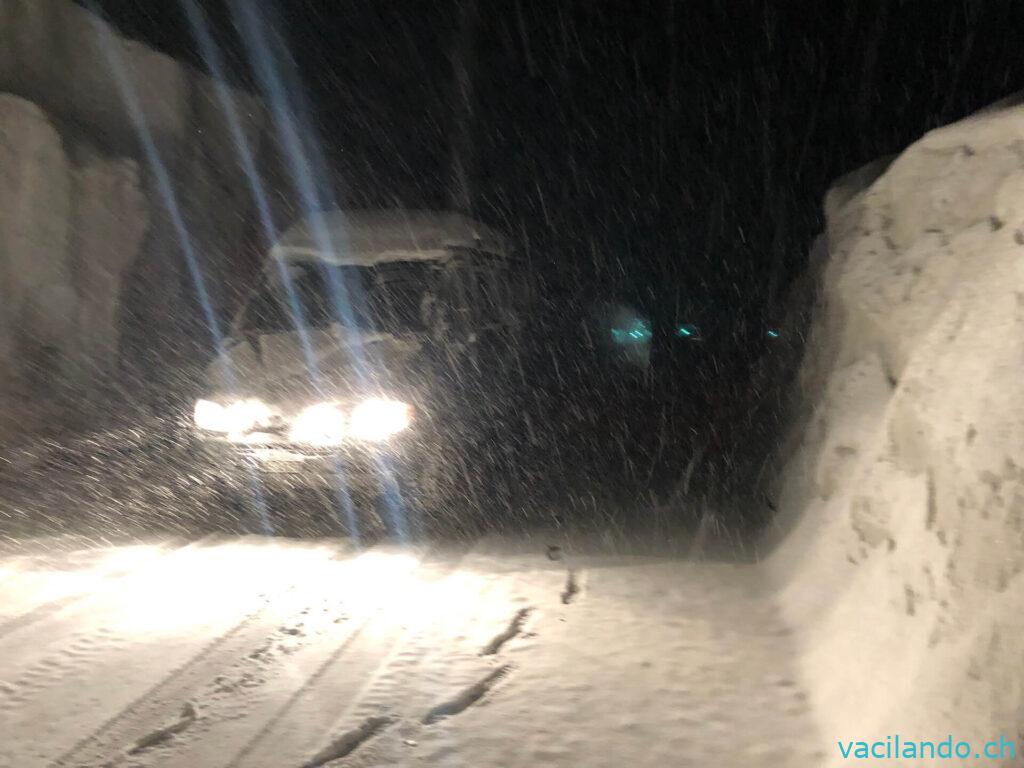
{"points": [[682, 146]]}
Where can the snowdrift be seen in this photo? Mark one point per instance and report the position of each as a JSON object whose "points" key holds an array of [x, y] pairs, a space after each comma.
{"points": [[85, 238], [905, 488]]}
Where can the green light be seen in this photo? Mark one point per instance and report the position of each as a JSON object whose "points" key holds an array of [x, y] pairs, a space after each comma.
{"points": [[637, 333], [773, 333], [688, 331]]}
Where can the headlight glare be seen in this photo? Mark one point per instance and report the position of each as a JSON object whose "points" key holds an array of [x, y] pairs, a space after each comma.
{"points": [[209, 415], [238, 417], [320, 424], [378, 419]]}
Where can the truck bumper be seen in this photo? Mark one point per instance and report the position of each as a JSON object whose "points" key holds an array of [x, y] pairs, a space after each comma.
{"points": [[357, 469]]}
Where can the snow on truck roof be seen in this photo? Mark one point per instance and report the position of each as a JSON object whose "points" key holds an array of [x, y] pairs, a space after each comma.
{"points": [[366, 238]]}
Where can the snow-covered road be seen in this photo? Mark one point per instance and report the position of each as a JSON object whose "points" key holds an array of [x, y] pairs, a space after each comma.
{"points": [[264, 653]]}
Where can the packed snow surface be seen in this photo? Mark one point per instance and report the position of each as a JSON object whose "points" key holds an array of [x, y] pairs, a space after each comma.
{"points": [[258, 652]]}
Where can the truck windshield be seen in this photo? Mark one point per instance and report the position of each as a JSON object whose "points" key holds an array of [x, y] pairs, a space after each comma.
{"points": [[386, 298]]}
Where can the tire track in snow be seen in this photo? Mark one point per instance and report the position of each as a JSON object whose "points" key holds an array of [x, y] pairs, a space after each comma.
{"points": [[63, 654], [350, 741], [443, 655], [515, 627], [572, 587], [159, 622], [66, 607], [338, 687], [50, 671], [250, 640], [146, 711], [248, 696], [250, 746], [39, 613], [185, 719], [109, 581], [468, 696]]}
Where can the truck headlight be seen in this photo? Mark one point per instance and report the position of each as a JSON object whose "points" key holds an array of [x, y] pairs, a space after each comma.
{"points": [[237, 417], [378, 419], [320, 424]]}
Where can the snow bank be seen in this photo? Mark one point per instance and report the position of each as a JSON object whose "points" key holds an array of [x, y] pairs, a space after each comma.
{"points": [[35, 193], [906, 491], [71, 221], [58, 55], [85, 237], [109, 219]]}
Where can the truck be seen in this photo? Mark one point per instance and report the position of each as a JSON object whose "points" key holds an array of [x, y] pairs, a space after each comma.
{"points": [[360, 368]]}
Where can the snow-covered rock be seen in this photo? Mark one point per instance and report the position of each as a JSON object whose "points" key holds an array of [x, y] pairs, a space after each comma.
{"points": [[109, 219], [59, 55], [35, 192], [906, 491], [69, 226], [87, 233]]}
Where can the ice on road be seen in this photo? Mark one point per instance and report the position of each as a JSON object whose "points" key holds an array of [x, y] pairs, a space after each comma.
{"points": [[263, 653]]}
